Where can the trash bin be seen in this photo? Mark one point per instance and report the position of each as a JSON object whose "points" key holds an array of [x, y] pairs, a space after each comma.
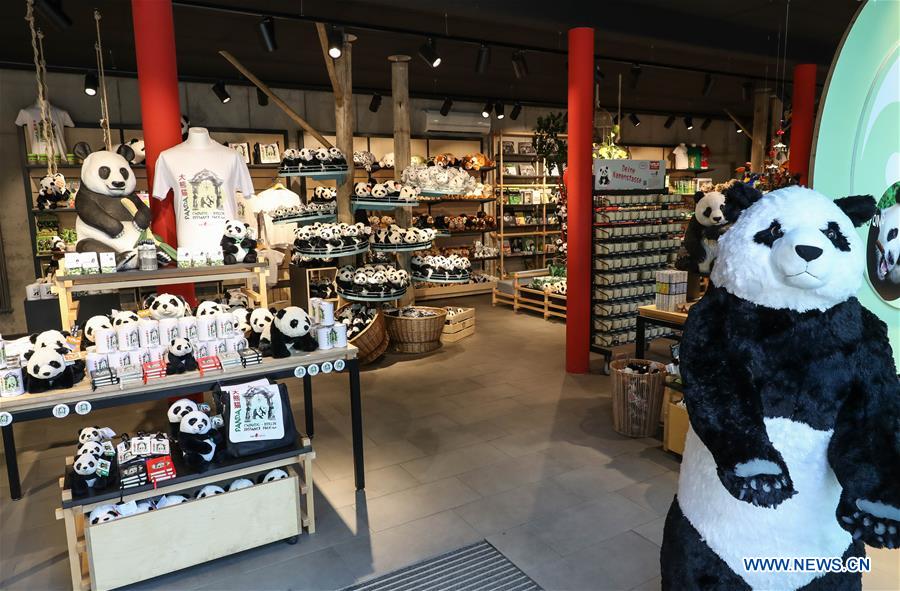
{"points": [[637, 397]]}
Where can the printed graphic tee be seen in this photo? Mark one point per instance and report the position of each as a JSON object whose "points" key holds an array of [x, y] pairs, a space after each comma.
{"points": [[276, 235], [681, 157], [30, 117], [204, 180]]}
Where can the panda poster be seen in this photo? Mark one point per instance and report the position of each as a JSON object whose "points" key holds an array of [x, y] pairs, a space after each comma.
{"points": [[255, 412], [619, 175]]}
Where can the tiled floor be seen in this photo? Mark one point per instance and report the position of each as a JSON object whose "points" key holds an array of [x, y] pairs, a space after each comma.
{"points": [[486, 438]]}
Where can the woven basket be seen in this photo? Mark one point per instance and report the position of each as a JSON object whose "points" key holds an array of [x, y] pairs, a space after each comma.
{"points": [[637, 398], [371, 342], [417, 335]]}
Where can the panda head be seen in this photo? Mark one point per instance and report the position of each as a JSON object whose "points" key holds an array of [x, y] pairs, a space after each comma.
{"points": [[95, 323], [102, 514], [709, 208], [97, 434], [271, 475], [50, 339], [45, 364], [124, 317], [888, 244], [180, 408], [240, 483], [322, 155], [210, 490], [107, 173], [260, 318], [362, 189], [208, 308], [795, 249], [292, 321], [89, 447], [180, 347], [195, 423], [137, 146], [166, 305], [85, 464], [236, 229], [379, 190], [335, 153]]}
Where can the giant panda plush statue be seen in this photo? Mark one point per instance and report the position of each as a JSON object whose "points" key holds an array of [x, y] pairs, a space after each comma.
{"points": [[702, 234], [794, 404]]}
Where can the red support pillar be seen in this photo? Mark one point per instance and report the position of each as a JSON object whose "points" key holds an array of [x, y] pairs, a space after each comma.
{"points": [[154, 45], [802, 117], [579, 199]]}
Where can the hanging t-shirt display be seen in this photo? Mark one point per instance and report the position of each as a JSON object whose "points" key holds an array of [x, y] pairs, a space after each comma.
{"points": [[30, 117], [204, 176], [680, 153], [268, 201], [694, 157]]}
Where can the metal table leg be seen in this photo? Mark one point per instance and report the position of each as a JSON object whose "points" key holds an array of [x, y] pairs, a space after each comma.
{"points": [[640, 343], [308, 406], [12, 463], [359, 468]]}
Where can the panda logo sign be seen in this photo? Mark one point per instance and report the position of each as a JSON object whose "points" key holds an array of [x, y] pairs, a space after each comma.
{"points": [[255, 413], [883, 248]]}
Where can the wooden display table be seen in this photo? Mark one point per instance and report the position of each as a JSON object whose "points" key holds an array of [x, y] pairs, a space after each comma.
{"points": [[525, 298], [650, 315], [29, 407], [66, 285]]}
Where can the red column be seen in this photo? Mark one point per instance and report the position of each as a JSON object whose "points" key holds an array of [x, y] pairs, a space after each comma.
{"points": [[580, 200], [802, 117], [154, 45]]}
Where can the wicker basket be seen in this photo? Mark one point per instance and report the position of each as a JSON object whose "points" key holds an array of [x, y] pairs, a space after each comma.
{"points": [[371, 342], [417, 335], [637, 398]]}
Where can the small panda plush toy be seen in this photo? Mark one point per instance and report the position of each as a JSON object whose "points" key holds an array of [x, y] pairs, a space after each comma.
{"points": [[84, 475], [93, 448], [210, 490], [239, 484], [51, 339], [180, 357], [177, 411], [53, 192], [46, 369], [94, 323], [95, 434], [102, 514], [237, 243], [166, 305], [362, 189], [137, 146], [197, 439], [271, 475], [260, 319], [123, 317], [209, 308], [701, 238], [290, 158], [290, 331]]}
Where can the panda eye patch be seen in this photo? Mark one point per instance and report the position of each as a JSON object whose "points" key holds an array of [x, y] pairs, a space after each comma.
{"points": [[833, 233], [124, 173], [892, 235], [769, 235], [104, 172], [707, 212]]}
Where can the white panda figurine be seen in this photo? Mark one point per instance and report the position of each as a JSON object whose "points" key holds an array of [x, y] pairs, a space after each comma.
{"points": [[180, 357], [238, 244], [197, 439], [93, 324], [166, 305], [290, 331], [701, 238]]}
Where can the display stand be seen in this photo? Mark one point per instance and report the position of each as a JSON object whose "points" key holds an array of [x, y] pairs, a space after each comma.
{"points": [[663, 318], [67, 285], [522, 297], [301, 279]]}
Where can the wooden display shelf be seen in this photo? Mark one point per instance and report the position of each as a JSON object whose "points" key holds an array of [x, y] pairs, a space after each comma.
{"points": [[454, 291], [459, 327], [536, 300]]}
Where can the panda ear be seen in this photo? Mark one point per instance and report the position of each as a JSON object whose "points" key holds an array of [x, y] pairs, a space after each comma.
{"points": [[148, 301], [272, 309], [125, 152], [698, 196], [859, 208], [82, 150], [738, 197], [33, 338], [28, 354]]}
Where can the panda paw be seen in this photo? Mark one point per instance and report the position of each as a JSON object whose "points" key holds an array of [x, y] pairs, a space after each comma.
{"points": [[762, 483], [876, 524]]}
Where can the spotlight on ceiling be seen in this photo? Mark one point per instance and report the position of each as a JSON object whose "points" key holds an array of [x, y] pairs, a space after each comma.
{"points": [[267, 32], [429, 53], [689, 122], [221, 91], [262, 99], [737, 128], [486, 111], [375, 103], [498, 108], [483, 60], [634, 119], [445, 108], [706, 123], [669, 121], [520, 66], [516, 110], [335, 41], [708, 82], [91, 83], [635, 75], [53, 12]]}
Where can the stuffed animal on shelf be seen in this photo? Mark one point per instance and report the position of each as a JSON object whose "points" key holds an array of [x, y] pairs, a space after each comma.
{"points": [[54, 192], [137, 146], [95, 434], [85, 477], [166, 305], [701, 237], [197, 439], [123, 317], [210, 490], [51, 339], [272, 475], [209, 308], [793, 401], [180, 357], [177, 411], [238, 243], [46, 369], [240, 483], [102, 514], [290, 331], [260, 319], [94, 323]]}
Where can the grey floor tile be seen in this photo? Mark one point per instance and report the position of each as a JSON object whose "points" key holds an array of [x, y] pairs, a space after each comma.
{"points": [[655, 493], [652, 530], [514, 507], [523, 549], [417, 502], [628, 558], [342, 492], [514, 472], [619, 472], [573, 574], [320, 571], [451, 463]]}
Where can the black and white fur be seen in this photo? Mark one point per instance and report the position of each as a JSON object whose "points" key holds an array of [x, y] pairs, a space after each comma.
{"points": [[180, 357], [197, 439], [701, 238], [84, 475], [290, 331], [793, 401], [237, 244], [166, 305], [89, 335], [177, 411], [46, 369], [260, 319]]}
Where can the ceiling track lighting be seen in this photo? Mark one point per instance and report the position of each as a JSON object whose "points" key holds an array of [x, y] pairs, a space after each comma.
{"points": [[737, 128], [498, 109], [516, 110], [689, 122], [708, 82], [486, 111], [706, 123], [446, 106], [262, 99], [428, 52], [635, 75], [335, 37], [267, 33], [375, 103], [634, 119], [520, 66], [483, 60], [91, 83], [53, 12], [221, 91], [669, 121]]}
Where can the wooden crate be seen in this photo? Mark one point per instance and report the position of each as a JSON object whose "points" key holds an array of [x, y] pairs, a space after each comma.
{"points": [[525, 298], [675, 422], [454, 291], [459, 327]]}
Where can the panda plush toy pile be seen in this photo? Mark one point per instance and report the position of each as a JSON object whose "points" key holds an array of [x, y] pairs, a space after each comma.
{"points": [[794, 404], [177, 411], [237, 243], [701, 237], [289, 331]]}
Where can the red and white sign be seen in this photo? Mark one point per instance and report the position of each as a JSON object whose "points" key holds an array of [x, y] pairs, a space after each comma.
{"points": [[621, 175]]}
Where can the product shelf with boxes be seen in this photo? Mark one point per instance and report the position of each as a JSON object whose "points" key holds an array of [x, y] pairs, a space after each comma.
{"points": [[635, 234]]}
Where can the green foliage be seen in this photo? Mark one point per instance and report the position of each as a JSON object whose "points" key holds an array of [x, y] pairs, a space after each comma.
{"points": [[546, 141]]}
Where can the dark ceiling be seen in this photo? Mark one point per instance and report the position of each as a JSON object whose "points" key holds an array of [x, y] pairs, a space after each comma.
{"points": [[676, 43]]}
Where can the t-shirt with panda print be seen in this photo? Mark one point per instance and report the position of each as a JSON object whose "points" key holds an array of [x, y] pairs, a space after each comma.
{"points": [[31, 118], [204, 180]]}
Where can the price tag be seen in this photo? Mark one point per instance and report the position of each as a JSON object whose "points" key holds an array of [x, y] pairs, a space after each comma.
{"points": [[313, 369], [61, 411], [327, 367], [299, 371], [103, 467], [83, 407], [339, 365], [6, 419]]}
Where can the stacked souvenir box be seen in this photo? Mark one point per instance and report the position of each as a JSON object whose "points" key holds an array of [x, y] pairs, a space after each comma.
{"points": [[229, 359], [103, 377], [671, 289], [250, 357]]}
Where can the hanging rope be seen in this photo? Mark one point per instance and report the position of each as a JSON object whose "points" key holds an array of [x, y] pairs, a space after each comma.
{"points": [[40, 72], [101, 75]]}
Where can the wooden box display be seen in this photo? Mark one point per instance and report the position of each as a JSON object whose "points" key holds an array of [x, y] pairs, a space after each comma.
{"points": [[459, 327], [675, 421]]}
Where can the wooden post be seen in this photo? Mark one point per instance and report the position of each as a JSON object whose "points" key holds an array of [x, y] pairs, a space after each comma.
{"points": [[760, 129], [400, 100], [343, 117]]}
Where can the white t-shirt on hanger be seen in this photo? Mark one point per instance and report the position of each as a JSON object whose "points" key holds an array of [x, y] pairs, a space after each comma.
{"points": [[277, 235], [31, 118], [204, 178], [681, 157]]}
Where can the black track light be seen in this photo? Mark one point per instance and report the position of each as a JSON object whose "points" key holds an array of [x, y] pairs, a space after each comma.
{"points": [[221, 91], [669, 121], [635, 75], [267, 33], [335, 41], [428, 52], [445, 108], [91, 83], [486, 111], [520, 66], [708, 82], [498, 108], [706, 123], [516, 110], [53, 12], [483, 60], [689, 122], [737, 128], [634, 119], [375, 103], [262, 99]]}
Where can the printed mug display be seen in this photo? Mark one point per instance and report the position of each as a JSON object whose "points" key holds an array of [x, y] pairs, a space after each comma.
{"points": [[106, 340], [187, 325], [11, 382], [169, 329], [149, 332]]}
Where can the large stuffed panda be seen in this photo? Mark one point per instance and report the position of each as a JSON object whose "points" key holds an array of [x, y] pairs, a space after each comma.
{"points": [[794, 404], [289, 332], [702, 234]]}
